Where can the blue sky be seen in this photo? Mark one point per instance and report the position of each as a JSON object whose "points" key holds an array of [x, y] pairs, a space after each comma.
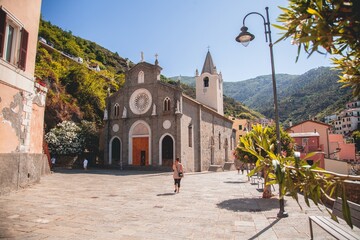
{"points": [[180, 32]]}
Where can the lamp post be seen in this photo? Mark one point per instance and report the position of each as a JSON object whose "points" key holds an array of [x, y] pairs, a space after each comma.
{"points": [[244, 38]]}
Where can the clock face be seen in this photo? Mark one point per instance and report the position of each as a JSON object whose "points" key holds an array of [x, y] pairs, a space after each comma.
{"points": [[140, 101]]}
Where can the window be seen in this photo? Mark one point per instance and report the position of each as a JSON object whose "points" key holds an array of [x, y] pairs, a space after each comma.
{"points": [[13, 40], [116, 110], [219, 140], [206, 82], [240, 127], [190, 135], [141, 77], [167, 104]]}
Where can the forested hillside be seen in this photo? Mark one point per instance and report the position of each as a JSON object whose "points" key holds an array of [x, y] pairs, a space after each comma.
{"points": [[67, 65]]}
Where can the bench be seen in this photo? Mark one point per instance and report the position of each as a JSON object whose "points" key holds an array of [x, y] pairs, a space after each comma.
{"points": [[332, 227]]}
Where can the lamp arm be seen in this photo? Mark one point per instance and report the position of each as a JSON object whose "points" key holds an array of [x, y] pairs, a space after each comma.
{"points": [[266, 23]]}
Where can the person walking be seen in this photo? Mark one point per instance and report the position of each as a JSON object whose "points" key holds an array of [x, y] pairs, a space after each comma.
{"points": [[85, 163], [178, 174], [53, 162]]}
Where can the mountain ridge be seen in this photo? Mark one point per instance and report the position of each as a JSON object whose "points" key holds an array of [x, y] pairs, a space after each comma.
{"points": [[298, 95]]}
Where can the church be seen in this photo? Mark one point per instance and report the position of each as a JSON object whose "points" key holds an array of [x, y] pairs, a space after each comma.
{"points": [[149, 122]]}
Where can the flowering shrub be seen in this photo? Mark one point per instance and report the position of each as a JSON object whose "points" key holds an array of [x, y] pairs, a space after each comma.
{"points": [[65, 139]]}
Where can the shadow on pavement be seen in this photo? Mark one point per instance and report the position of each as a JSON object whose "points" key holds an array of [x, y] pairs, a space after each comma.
{"points": [[249, 204], [264, 230], [236, 182], [115, 172], [165, 194]]}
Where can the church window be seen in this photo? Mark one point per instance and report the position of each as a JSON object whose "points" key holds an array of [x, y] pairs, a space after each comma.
{"points": [[13, 40], [116, 110], [141, 77], [190, 135], [219, 140], [167, 104], [206, 82]]}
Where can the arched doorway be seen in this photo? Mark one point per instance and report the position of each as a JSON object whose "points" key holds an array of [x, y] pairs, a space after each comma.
{"points": [[115, 151], [139, 149], [167, 150]]}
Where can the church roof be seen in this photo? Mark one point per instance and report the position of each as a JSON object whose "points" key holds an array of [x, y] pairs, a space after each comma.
{"points": [[208, 64]]}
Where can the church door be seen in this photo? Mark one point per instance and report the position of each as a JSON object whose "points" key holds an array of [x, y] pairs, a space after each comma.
{"points": [[167, 151], [140, 151], [115, 151]]}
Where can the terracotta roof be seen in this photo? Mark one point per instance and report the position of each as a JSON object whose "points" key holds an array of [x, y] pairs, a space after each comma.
{"points": [[321, 123]]}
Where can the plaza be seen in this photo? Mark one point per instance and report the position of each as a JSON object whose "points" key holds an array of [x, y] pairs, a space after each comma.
{"points": [[114, 204]]}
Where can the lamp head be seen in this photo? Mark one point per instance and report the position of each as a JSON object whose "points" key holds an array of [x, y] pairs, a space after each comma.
{"points": [[244, 37]]}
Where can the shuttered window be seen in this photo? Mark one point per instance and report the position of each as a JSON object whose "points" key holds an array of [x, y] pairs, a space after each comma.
{"points": [[23, 49], [13, 40], [2, 31]]}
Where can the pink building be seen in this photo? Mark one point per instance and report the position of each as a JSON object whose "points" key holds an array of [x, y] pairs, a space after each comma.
{"points": [[312, 136], [340, 149], [22, 103]]}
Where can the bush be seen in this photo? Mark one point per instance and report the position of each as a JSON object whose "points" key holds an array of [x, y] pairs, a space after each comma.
{"points": [[65, 139]]}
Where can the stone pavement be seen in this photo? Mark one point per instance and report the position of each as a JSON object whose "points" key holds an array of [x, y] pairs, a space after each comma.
{"points": [[113, 204]]}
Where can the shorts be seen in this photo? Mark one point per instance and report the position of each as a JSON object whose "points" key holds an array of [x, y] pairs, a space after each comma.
{"points": [[177, 182]]}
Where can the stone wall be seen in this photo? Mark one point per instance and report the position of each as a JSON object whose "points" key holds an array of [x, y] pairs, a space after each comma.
{"points": [[353, 191], [19, 170]]}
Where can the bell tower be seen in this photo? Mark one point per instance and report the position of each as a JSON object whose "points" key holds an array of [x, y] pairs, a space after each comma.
{"points": [[209, 86]]}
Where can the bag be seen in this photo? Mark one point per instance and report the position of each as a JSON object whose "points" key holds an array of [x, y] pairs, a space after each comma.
{"points": [[181, 174]]}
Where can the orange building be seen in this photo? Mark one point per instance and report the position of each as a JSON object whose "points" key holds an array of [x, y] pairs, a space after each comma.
{"points": [[22, 100]]}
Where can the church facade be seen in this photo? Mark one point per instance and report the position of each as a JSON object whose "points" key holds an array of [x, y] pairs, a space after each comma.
{"points": [[149, 122]]}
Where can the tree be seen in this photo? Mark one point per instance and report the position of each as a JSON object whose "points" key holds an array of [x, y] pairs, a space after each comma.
{"points": [[65, 139], [90, 135], [295, 176], [332, 26]]}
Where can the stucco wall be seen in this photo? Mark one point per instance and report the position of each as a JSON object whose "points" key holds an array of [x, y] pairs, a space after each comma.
{"points": [[37, 129], [10, 119], [18, 170], [337, 166], [190, 155]]}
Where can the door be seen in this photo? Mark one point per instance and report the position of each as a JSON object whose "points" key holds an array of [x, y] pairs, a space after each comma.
{"points": [[140, 151]]}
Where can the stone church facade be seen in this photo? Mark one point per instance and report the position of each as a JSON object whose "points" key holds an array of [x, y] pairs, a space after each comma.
{"points": [[149, 122]]}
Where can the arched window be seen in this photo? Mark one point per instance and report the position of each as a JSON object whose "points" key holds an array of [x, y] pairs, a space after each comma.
{"points": [[206, 82], [116, 110], [141, 77], [167, 104]]}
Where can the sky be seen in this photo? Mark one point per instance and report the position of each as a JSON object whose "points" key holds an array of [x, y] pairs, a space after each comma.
{"points": [[181, 32]]}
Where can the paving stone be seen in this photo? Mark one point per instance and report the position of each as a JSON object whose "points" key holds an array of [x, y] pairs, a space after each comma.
{"points": [[113, 204]]}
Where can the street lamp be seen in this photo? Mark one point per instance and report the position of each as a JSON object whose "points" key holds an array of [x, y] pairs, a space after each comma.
{"points": [[244, 38]]}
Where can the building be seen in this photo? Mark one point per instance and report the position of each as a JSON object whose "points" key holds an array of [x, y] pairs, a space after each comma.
{"points": [[241, 126], [307, 142], [312, 136], [347, 120], [22, 100], [150, 123]]}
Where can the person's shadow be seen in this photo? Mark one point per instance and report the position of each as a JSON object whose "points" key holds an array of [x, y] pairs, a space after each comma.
{"points": [[165, 194]]}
